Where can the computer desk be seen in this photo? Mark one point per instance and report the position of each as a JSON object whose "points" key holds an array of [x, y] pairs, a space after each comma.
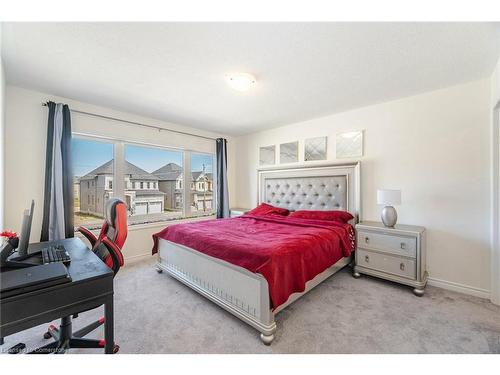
{"points": [[91, 287]]}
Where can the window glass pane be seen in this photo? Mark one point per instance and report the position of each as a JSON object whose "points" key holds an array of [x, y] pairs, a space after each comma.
{"points": [[153, 184], [201, 189], [93, 181]]}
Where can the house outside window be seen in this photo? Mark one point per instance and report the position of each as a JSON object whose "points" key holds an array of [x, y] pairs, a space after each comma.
{"points": [[153, 187], [202, 198], [92, 162], [156, 168]]}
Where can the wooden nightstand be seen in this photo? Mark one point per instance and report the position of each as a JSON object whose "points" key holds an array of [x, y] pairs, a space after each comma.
{"points": [[396, 254], [235, 212]]}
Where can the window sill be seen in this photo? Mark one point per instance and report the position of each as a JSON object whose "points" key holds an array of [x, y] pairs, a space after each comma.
{"points": [[166, 223], [156, 224]]}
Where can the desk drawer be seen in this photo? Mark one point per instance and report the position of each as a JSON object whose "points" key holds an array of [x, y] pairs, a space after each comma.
{"points": [[388, 243], [387, 263]]}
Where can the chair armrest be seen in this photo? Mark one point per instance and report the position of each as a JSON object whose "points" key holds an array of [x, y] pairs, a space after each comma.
{"points": [[88, 235], [115, 253]]}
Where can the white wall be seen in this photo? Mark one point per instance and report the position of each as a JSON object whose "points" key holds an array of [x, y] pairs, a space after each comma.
{"points": [[435, 148], [2, 127], [495, 84], [26, 132], [495, 184]]}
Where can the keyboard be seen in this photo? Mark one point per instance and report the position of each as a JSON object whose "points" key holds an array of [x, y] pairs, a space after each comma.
{"points": [[54, 254]]}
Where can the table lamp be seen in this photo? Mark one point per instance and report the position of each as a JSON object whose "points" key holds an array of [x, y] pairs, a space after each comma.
{"points": [[388, 198]]}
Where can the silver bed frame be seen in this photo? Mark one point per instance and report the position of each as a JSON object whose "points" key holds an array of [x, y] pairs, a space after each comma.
{"points": [[246, 294]]}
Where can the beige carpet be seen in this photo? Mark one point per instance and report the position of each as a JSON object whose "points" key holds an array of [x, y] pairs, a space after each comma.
{"points": [[156, 314]]}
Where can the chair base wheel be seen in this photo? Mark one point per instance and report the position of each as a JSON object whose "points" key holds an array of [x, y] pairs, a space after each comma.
{"points": [[47, 335], [159, 270], [116, 348]]}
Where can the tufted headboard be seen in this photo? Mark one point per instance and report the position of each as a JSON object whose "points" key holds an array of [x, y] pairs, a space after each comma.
{"points": [[331, 187]]}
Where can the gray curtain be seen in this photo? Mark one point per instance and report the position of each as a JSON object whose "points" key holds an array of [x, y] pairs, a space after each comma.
{"points": [[58, 195], [222, 190]]}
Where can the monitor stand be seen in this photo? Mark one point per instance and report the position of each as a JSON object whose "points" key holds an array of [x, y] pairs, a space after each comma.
{"points": [[22, 261]]}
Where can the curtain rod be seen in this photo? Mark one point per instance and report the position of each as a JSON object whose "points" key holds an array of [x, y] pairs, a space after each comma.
{"points": [[138, 124]]}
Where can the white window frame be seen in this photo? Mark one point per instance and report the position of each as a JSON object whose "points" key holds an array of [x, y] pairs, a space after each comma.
{"points": [[119, 175]]}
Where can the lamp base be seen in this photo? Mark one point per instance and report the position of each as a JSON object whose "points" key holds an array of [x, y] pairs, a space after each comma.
{"points": [[389, 216]]}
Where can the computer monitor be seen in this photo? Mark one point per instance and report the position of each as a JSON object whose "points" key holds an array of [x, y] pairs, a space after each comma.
{"points": [[24, 239]]}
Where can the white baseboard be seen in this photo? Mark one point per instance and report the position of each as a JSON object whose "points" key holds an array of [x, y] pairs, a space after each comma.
{"points": [[460, 288]]}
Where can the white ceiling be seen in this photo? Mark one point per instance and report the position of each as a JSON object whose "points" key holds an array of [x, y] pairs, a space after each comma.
{"points": [[175, 71]]}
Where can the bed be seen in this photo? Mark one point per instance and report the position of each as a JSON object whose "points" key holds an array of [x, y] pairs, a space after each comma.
{"points": [[222, 272]]}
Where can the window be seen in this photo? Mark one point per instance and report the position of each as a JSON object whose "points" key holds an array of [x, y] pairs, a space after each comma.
{"points": [[150, 181], [158, 170], [92, 165], [202, 198]]}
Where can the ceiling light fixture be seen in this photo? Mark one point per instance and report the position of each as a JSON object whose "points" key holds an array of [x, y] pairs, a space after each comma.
{"points": [[240, 81]]}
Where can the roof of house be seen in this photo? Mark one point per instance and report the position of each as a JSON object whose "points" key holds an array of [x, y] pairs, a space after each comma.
{"points": [[197, 175], [171, 171], [131, 170]]}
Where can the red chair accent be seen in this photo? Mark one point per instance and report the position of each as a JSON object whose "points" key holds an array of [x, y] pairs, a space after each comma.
{"points": [[106, 246], [112, 235]]}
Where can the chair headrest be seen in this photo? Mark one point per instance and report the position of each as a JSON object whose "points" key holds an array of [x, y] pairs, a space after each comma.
{"points": [[111, 210]]}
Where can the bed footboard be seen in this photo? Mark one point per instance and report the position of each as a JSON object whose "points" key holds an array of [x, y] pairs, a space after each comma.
{"points": [[242, 293]]}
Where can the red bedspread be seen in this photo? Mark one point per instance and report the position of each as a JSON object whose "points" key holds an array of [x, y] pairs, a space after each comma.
{"points": [[287, 251]]}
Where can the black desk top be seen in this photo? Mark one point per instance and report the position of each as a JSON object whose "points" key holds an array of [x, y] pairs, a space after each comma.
{"points": [[84, 265], [91, 285]]}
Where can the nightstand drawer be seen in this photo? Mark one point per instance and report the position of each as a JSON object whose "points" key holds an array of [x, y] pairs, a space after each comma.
{"points": [[389, 243], [386, 263]]}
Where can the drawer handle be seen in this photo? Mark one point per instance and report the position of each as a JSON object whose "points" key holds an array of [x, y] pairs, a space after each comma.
{"points": [[403, 245], [367, 259], [367, 240], [402, 266]]}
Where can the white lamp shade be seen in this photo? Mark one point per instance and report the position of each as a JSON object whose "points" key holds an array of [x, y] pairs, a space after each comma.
{"points": [[388, 197]]}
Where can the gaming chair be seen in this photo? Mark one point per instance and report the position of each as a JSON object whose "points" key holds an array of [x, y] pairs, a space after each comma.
{"points": [[106, 246]]}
